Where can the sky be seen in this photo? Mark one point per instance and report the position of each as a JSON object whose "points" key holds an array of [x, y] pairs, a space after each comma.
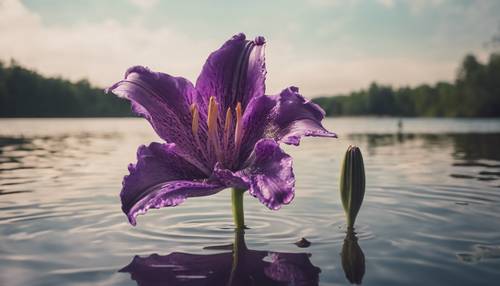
{"points": [[324, 47]]}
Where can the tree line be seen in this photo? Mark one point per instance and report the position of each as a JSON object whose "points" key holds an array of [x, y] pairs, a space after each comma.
{"points": [[25, 93], [474, 93]]}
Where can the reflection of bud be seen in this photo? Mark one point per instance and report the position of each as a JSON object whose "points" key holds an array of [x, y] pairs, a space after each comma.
{"points": [[352, 183], [353, 259]]}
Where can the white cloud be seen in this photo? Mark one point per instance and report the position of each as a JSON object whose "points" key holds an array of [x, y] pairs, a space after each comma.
{"points": [[386, 3], [332, 3], [102, 51], [415, 6], [144, 4], [324, 3]]}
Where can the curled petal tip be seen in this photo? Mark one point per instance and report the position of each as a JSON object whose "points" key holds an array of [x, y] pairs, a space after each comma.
{"points": [[292, 140], [132, 220], [278, 204], [285, 201], [240, 36], [131, 167], [136, 69], [259, 40], [111, 88], [294, 89]]}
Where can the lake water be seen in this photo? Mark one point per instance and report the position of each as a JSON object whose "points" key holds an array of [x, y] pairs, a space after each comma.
{"points": [[431, 214]]}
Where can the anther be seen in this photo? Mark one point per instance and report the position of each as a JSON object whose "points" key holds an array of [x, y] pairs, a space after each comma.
{"points": [[227, 126], [195, 121], [212, 115], [238, 134], [213, 136]]}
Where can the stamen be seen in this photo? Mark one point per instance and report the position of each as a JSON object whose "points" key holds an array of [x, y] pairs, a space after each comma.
{"points": [[238, 134], [212, 115], [213, 136], [196, 118], [227, 126]]}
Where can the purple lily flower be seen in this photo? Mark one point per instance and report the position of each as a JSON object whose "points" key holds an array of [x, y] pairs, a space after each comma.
{"points": [[223, 132]]}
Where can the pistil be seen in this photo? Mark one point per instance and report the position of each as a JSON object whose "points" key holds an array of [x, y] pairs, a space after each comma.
{"points": [[227, 127], [238, 133], [214, 144]]}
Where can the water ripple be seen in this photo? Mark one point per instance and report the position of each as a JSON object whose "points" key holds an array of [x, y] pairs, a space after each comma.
{"points": [[431, 211]]}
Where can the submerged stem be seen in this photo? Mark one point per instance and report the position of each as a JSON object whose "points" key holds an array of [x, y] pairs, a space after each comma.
{"points": [[238, 215]]}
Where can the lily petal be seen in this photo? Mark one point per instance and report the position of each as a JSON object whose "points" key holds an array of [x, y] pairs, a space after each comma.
{"points": [[170, 194], [161, 177], [164, 101], [296, 117], [285, 117], [257, 123], [234, 73], [270, 174], [230, 178]]}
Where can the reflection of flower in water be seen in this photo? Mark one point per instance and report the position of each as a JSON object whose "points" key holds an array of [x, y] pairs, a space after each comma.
{"points": [[353, 258], [240, 267]]}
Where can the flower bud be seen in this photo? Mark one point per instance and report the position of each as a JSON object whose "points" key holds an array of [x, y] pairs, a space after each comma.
{"points": [[352, 183]]}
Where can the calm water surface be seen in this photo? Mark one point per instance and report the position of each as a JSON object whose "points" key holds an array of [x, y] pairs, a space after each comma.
{"points": [[431, 214]]}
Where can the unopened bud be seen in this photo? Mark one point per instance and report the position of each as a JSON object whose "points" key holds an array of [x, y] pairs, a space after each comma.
{"points": [[352, 184]]}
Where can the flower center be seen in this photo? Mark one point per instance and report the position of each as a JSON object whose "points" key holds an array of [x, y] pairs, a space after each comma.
{"points": [[220, 147]]}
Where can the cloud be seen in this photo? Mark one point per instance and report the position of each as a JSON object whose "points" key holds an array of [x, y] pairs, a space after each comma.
{"points": [[100, 52], [324, 3], [386, 3], [144, 4], [415, 6]]}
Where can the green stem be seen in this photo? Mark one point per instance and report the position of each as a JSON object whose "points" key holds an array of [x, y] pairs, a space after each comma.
{"points": [[238, 215]]}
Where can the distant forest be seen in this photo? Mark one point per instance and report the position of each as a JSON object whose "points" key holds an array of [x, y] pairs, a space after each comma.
{"points": [[25, 93], [475, 93]]}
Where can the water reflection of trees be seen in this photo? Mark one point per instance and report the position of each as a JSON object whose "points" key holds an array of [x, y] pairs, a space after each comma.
{"points": [[467, 146], [471, 147], [240, 267], [479, 150]]}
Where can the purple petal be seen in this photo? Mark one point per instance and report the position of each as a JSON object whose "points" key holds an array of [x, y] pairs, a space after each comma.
{"points": [[170, 194], [296, 117], [230, 178], [162, 177], [257, 120], [164, 101], [234, 73], [270, 174], [285, 117]]}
